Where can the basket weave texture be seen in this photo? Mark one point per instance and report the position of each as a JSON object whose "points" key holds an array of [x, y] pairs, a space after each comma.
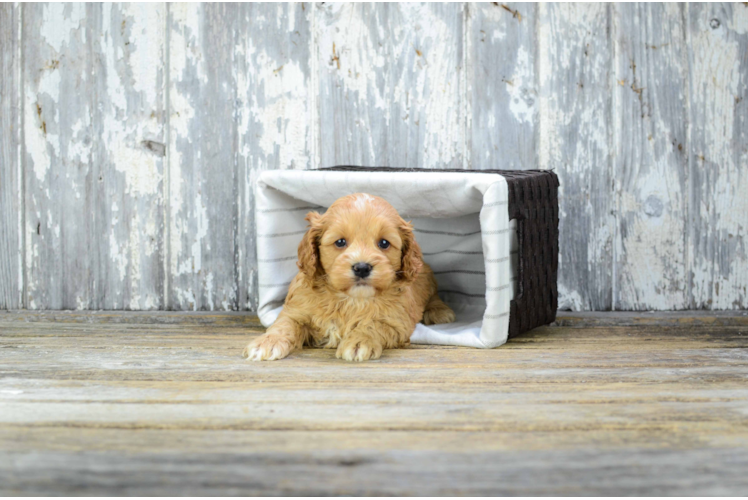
{"points": [[533, 202]]}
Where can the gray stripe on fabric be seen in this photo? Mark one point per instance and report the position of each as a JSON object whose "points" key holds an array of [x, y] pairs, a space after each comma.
{"points": [[495, 204], [279, 259], [495, 316], [460, 252], [481, 295], [271, 285], [458, 271], [495, 261], [279, 301], [446, 233], [294, 209], [497, 288], [499, 231], [275, 235]]}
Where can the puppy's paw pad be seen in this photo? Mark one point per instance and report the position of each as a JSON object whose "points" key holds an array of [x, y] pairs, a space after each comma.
{"points": [[438, 315], [359, 350], [267, 348]]}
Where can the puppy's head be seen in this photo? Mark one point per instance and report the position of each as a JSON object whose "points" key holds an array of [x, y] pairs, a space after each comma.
{"points": [[361, 246]]}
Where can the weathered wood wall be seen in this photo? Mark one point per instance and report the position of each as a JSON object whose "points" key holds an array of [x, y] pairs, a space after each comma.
{"points": [[131, 136]]}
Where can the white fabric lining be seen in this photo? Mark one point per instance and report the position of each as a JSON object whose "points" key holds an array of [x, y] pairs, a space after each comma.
{"points": [[461, 223]]}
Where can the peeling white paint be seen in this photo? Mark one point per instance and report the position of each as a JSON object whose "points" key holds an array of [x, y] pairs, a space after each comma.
{"points": [[139, 167], [201, 218], [720, 264], [359, 63], [522, 89], [570, 300], [186, 40], [401, 79], [176, 204], [395, 91], [118, 258], [210, 291], [35, 140], [650, 164], [573, 140], [59, 19], [145, 59], [40, 122], [281, 114], [81, 304], [739, 20]]}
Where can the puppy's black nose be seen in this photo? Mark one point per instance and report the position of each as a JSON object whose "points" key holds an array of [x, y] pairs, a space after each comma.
{"points": [[362, 269]]}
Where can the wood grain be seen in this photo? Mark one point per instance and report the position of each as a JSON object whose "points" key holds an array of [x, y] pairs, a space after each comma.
{"points": [[94, 138], [132, 135], [390, 85], [203, 178], [11, 198], [275, 112], [162, 403], [129, 118], [59, 175], [575, 54], [651, 156], [239, 97], [718, 56], [503, 86]]}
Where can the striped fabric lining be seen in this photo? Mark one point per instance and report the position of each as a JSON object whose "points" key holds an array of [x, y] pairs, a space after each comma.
{"points": [[459, 252], [440, 218], [458, 292], [444, 233], [279, 259], [499, 231], [276, 235], [294, 209], [496, 316], [459, 271], [425, 254], [273, 285]]}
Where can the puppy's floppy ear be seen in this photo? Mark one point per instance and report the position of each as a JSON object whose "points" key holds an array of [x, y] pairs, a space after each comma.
{"points": [[412, 259], [309, 247]]}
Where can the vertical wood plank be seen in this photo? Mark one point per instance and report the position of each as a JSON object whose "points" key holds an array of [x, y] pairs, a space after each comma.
{"points": [[94, 141], [719, 155], [11, 270], [275, 112], [393, 90], [391, 84], [128, 153], [203, 181], [60, 180], [651, 150], [502, 86], [575, 52]]}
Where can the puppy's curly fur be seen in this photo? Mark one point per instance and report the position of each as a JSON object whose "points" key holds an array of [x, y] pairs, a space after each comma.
{"points": [[361, 288]]}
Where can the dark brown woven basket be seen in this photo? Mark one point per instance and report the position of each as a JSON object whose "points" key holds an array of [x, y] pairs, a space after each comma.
{"points": [[533, 202]]}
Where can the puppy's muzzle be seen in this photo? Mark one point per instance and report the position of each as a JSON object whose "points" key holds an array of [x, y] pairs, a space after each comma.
{"points": [[361, 269]]}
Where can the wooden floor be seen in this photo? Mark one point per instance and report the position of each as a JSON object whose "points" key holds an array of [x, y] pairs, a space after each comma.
{"points": [[152, 404]]}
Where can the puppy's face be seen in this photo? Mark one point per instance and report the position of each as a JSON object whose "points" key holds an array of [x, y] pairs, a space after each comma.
{"points": [[361, 245]]}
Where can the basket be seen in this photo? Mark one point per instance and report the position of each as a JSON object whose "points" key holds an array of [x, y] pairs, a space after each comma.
{"points": [[491, 237]]}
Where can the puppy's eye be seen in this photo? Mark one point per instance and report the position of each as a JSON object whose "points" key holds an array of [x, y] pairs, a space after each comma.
{"points": [[384, 244], [340, 243]]}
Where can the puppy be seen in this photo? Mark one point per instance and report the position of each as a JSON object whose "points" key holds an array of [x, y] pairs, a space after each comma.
{"points": [[361, 288]]}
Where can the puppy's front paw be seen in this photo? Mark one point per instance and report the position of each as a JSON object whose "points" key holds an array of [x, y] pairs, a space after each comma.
{"points": [[358, 348], [268, 347], [438, 313]]}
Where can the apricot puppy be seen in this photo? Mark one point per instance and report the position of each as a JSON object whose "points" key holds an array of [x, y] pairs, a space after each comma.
{"points": [[361, 288]]}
